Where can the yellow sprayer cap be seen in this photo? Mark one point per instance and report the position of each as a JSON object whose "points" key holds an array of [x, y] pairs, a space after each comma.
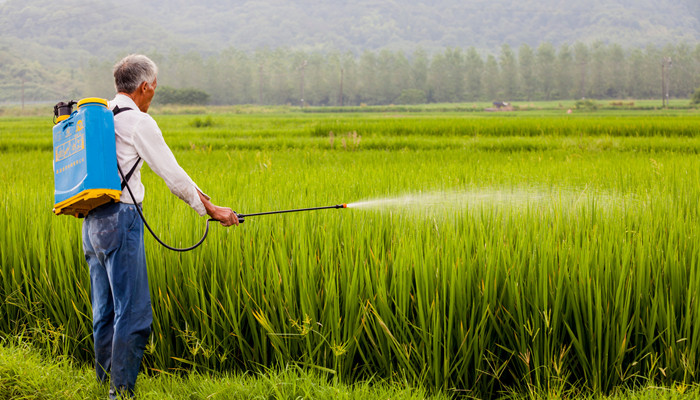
{"points": [[92, 100]]}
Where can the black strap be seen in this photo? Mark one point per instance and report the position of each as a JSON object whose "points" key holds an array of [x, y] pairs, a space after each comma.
{"points": [[116, 111], [131, 172]]}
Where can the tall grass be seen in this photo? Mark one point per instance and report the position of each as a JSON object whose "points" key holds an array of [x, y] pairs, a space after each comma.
{"points": [[589, 284]]}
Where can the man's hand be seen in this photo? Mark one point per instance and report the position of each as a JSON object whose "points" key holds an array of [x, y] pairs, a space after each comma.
{"points": [[224, 215]]}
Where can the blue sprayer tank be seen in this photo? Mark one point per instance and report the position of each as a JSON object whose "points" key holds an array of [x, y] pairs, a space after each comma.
{"points": [[85, 159]]}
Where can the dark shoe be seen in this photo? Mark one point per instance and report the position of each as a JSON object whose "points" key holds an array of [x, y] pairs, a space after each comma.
{"points": [[121, 394]]}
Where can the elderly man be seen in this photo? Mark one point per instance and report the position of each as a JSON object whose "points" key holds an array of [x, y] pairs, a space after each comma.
{"points": [[113, 233]]}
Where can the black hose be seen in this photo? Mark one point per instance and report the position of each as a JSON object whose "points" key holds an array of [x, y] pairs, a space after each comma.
{"points": [[206, 231], [241, 217]]}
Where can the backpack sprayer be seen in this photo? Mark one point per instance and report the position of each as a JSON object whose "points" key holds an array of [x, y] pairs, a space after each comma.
{"points": [[85, 154]]}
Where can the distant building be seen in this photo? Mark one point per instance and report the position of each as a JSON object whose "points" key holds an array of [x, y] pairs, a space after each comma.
{"points": [[500, 106]]}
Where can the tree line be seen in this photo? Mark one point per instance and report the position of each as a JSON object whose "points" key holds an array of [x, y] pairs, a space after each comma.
{"points": [[283, 76]]}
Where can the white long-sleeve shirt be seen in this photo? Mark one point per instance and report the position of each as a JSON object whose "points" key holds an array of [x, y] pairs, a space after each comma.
{"points": [[138, 135]]}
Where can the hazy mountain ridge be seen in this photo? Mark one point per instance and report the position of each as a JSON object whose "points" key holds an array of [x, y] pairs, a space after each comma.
{"points": [[94, 28], [48, 49]]}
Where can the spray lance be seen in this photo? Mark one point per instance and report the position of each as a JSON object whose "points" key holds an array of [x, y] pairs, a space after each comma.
{"points": [[241, 218]]}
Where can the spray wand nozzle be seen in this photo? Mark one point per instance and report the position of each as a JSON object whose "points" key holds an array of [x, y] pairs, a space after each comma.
{"points": [[242, 217]]}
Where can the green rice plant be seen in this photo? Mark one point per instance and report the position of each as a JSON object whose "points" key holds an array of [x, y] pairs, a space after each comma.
{"points": [[493, 264]]}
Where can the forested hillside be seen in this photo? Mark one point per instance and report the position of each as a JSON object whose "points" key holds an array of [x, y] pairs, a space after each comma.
{"points": [[46, 48], [97, 28]]}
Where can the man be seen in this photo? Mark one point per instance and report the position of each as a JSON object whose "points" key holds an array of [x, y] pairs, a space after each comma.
{"points": [[113, 233]]}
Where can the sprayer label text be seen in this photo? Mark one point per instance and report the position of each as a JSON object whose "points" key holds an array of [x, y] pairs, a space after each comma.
{"points": [[69, 166], [67, 149]]}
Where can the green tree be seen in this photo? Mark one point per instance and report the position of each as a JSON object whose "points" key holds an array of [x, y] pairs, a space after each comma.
{"points": [[696, 97], [349, 71], [681, 74], [617, 72], [335, 65], [98, 80], [367, 79], [282, 76], [651, 80], [411, 96], [509, 72], [695, 64], [392, 74], [492, 78], [545, 59], [402, 77], [526, 61], [419, 70], [262, 76], [317, 80], [564, 73], [599, 82], [635, 74], [236, 77], [581, 59], [446, 76], [474, 68], [169, 95], [186, 70]]}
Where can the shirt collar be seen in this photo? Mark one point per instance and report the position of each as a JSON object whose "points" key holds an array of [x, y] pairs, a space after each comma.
{"points": [[123, 101]]}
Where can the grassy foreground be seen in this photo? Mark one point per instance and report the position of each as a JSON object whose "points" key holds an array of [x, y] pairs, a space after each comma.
{"points": [[26, 374]]}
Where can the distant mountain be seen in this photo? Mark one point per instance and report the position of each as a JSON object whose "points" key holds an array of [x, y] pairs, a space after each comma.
{"points": [[73, 31], [46, 46]]}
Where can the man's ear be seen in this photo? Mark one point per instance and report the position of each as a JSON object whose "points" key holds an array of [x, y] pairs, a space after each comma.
{"points": [[143, 86]]}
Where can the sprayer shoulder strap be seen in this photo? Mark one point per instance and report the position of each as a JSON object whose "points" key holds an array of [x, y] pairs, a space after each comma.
{"points": [[116, 111], [131, 172]]}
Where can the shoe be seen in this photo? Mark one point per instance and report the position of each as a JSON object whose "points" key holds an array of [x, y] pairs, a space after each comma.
{"points": [[121, 394]]}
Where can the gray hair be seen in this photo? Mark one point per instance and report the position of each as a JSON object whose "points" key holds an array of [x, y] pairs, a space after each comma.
{"points": [[132, 71]]}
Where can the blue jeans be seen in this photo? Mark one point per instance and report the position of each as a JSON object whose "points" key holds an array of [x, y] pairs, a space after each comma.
{"points": [[121, 303]]}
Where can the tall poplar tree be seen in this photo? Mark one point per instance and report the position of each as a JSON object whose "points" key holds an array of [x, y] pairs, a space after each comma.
{"points": [[544, 66], [474, 67], [565, 73], [509, 72], [526, 62], [581, 59], [492, 78]]}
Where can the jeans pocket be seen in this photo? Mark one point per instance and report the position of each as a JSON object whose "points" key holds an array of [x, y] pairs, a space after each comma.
{"points": [[104, 232], [132, 219]]}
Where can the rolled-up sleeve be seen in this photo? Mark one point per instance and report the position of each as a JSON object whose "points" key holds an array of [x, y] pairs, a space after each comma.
{"points": [[151, 147]]}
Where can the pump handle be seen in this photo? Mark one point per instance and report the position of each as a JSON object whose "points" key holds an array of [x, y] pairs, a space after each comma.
{"points": [[62, 109]]}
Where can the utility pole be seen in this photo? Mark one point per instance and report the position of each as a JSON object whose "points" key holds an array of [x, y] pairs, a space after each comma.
{"points": [[583, 80], [22, 93], [665, 66], [260, 85], [303, 70], [341, 86]]}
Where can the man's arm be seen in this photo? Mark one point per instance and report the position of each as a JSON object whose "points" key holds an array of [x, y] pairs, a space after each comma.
{"points": [[222, 214], [151, 146]]}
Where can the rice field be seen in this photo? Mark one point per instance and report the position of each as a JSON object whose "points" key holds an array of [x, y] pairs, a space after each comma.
{"points": [[480, 254]]}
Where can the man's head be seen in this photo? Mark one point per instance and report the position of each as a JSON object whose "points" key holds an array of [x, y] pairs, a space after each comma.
{"points": [[136, 76]]}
